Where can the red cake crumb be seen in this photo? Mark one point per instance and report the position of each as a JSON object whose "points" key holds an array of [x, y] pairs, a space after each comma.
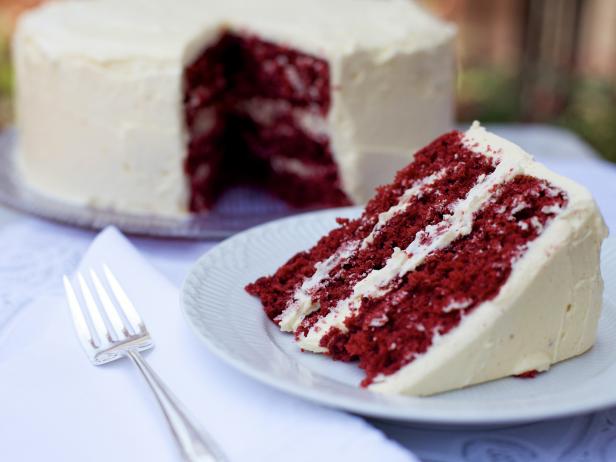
{"points": [[462, 276], [528, 374], [227, 146]]}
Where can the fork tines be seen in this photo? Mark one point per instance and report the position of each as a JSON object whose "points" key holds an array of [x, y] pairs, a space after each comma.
{"points": [[106, 333]]}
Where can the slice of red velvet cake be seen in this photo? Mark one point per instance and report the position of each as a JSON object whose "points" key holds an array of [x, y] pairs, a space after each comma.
{"points": [[476, 263]]}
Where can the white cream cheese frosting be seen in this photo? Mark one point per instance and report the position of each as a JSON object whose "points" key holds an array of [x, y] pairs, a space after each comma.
{"points": [[99, 89]]}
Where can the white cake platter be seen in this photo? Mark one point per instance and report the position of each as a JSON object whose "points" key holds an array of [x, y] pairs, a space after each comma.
{"points": [[238, 209], [233, 326]]}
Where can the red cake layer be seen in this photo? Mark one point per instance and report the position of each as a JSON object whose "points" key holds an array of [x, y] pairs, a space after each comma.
{"points": [[230, 146], [277, 72], [390, 332], [463, 170], [283, 141], [427, 161], [275, 291]]}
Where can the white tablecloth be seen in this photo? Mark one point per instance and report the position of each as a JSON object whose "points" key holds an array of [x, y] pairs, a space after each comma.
{"points": [[33, 255]]}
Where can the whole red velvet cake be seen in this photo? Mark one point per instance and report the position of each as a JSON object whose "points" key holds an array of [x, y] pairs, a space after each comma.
{"points": [[475, 263], [175, 102]]}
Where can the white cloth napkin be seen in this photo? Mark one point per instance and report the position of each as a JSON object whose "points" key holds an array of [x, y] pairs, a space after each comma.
{"points": [[55, 406]]}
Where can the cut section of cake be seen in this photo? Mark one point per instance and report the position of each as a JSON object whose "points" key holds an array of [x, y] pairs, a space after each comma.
{"points": [[158, 106], [476, 263]]}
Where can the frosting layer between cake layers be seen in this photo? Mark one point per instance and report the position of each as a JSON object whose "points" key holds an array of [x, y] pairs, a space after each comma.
{"points": [[505, 280], [112, 74]]}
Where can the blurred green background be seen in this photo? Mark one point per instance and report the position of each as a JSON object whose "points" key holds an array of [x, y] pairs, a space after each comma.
{"points": [[541, 61], [9, 12], [538, 61]]}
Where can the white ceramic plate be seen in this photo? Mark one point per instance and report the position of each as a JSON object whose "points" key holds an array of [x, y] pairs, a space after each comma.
{"points": [[234, 327]]}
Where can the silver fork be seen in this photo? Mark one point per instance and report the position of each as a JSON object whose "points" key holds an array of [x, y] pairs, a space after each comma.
{"points": [[117, 331]]}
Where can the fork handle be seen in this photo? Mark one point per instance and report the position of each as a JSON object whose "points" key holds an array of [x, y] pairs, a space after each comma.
{"points": [[195, 445]]}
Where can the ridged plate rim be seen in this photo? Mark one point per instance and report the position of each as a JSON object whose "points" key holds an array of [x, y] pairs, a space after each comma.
{"points": [[240, 335]]}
